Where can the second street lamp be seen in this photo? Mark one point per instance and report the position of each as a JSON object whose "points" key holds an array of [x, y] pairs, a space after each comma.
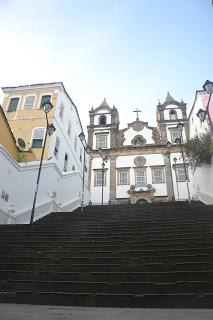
{"points": [[179, 141], [174, 166], [168, 154], [88, 151], [208, 87], [49, 131], [104, 161]]}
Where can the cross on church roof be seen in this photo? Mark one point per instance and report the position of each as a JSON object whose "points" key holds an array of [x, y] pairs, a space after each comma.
{"points": [[137, 119]]}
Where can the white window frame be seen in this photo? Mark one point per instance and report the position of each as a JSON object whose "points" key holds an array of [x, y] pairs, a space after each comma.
{"points": [[171, 134], [178, 175], [40, 98], [99, 120], [32, 137], [101, 136], [154, 178], [145, 179], [32, 107], [173, 111], [18, 106], [96, 173], [121, 180]]}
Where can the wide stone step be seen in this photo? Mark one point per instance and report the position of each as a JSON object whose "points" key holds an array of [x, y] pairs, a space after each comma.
{"points": [[133, 266], [51, 258], [170, 276], [110, 300], [107, 287]]}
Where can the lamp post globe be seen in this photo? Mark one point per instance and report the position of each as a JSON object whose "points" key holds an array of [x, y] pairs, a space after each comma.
{"points": [[47, 106], [168, 144], [180, 125], [201, 115], [82, 136], [51, 129], [208, 86]]}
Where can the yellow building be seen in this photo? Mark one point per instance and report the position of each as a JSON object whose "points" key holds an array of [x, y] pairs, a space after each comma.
{"points": [[22, 106], [7, 139]]}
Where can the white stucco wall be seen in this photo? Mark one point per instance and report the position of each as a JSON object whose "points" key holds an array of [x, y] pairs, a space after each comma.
{"points": [[96, 191], [145, 132], [182, 186], [67, 141], [203, 176], [128, 162], [19, 182]]}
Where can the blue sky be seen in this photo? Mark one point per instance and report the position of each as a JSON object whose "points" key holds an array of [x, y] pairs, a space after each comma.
{"points": [[130, 52]]}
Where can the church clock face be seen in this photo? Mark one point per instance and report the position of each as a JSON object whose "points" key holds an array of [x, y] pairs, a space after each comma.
{"points": [[140, 161]]}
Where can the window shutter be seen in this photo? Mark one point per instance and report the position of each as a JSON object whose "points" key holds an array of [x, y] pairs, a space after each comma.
{"points": [[39, 133], [13, 104], [29, 101]]}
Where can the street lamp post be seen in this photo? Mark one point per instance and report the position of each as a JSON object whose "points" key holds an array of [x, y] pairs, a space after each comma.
{"points": [[179, 141], [47, 106], [104, 161], [168, 154], [208, 87], [174, 166], [88, 151]]}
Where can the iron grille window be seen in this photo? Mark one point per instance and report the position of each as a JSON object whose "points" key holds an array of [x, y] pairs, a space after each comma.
{"points": [[38, 137], [29, 102]]}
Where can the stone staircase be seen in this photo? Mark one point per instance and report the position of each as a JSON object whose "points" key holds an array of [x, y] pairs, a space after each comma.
{"points": [[158, 255]]}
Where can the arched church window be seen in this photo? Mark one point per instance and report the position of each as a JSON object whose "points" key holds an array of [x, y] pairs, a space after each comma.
{"points": [[102, 119], [173, 115]]}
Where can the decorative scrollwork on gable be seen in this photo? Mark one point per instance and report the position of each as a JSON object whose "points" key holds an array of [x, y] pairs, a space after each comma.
{"points": [[138, 141]]}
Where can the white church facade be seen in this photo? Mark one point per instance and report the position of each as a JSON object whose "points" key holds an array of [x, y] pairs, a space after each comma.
{"points": [[142, 166]]}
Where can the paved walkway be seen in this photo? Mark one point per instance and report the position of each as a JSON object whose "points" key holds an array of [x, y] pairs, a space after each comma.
{"points": [[36, 312]]}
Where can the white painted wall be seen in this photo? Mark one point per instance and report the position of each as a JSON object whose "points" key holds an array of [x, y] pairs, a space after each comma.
{"points": [[67, 141], [128, 162], [182, 186], [96, 194], [203, 176], [19, 182], [130, 134]]}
